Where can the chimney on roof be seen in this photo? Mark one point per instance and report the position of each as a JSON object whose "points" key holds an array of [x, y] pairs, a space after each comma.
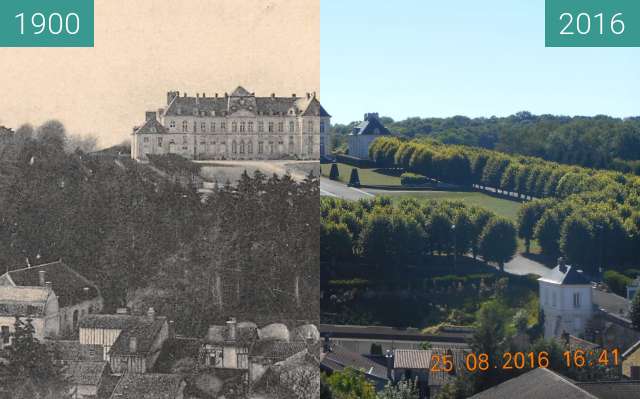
{"points": [[226, 94], [28, 263], [151, 313], [172, 329], [389, 357], [149, 116], [41, 277], [197, 98], [562, 266], [565, 338], [204, 94], [85, 291], [216, 95], [294, 95], [185, 95], [231, 329], [133, 344], [48, 285], [308, 96], [326, 344], [273, 95]]}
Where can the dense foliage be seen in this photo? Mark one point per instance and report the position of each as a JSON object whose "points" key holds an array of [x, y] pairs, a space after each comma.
{"points": [[591, 216], [598, 142], [379, 233], [145, 239]]}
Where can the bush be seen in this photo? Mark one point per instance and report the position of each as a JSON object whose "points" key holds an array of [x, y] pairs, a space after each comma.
{"points": [[412, 179], [617, 282]]}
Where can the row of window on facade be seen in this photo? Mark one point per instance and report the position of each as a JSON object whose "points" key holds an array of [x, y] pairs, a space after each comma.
{"points": [[577, 300], [242, 147], [243, 127]]}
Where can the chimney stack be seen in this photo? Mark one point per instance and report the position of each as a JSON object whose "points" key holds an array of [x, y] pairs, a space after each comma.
{"points": [[27, 260], [41, 277], [294, 95], [151, 313], [150, 115], [172, 329], [48, 285], [231, 329], [326, 345], [133, 344], [216, 95], [204, 95], [85, 291], [562, 266], [308, 96], [389, 357]]}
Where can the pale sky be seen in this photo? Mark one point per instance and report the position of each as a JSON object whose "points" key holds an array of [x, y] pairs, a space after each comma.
{"points": [[144, 48], [464, 57]]}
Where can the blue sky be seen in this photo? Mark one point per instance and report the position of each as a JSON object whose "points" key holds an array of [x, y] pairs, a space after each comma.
{"points": [[454, 57]]}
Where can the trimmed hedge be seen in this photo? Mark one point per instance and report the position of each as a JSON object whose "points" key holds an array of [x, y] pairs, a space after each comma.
{"points": [[412, 179]]}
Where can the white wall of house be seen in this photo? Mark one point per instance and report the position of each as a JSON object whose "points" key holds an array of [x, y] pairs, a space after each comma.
{"points": [[359, 145], [566, 308], [99, 336]]}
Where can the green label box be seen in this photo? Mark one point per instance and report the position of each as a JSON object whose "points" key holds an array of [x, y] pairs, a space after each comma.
{"points": [[592, 23], [46, 23]]}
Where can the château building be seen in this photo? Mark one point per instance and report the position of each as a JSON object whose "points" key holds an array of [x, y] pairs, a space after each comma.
{"points": [[237, 126]]}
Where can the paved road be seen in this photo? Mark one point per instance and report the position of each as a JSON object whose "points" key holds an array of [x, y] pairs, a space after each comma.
{"points": [[519, 265]]}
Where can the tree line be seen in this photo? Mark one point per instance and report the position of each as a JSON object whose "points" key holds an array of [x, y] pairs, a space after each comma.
{"points": [[133, 231], [380, 233], [594, 142], [590, 216]]}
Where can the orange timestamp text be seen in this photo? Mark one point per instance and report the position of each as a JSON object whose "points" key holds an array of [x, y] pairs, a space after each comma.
{"points": [[479, 362]]}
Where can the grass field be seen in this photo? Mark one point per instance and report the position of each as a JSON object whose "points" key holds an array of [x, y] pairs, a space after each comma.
{"points": [[367, 176], [502, 207]]}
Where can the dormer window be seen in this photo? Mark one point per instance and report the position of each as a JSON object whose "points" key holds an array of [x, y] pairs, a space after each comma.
{"points": [[576, 300]]}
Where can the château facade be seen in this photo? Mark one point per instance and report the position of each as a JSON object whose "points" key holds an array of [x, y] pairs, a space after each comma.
{"points": [[236, 126]]}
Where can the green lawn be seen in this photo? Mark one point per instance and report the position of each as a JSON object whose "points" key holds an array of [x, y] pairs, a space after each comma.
{"points": [[367, 176], [502, 207]]}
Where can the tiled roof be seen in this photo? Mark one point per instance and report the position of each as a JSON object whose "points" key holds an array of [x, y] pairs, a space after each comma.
{"points": [[67, 284], [108, 321], [74, 350], [277, 350], [144, 330], [370, 126], [577, 343], [152, 126], [571, 276], [241, 99], [340, 358], [23, 300], [611, 303], [612, 389], [84, 372], [536, 384], [417, 359], [148, 386], [460, 335]]}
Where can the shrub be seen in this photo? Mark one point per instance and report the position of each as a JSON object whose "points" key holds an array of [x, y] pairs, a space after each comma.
{"points": [[617, 282], [412, 179]]}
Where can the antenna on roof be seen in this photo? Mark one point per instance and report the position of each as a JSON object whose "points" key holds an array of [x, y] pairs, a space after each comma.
{"points": [[28, 263]]}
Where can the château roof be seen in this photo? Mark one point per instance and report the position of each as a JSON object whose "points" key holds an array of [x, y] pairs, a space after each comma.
{"points": [[371, 125], [67, 284], [565, 275], [241, 99], [152, 126], [148, 386]]}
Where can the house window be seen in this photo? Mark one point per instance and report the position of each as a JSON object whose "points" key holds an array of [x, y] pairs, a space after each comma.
{"points": [[635, 372], [223, 126], [146, 140], [292, 127], [234, 126], [260, 147], [321, 126], [213, 127], [271, 147], [270, 127], [6, 335], [242, 126], [185, 126], [159, 141], [250, 147], [172, 124], [280, 127], [75, 319], [553, 299], [250, 126], [242, 147], [310, 126], [234, 147], [185, 140], [576, 299], [260, 126], [203, 127]]}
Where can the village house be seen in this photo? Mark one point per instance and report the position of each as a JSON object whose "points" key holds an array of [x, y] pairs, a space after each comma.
{"points": [[364, 134], [335, 358], [238, 126], [149, 386], [631, 362], [131, 343], [52, 295], [85, 378]]}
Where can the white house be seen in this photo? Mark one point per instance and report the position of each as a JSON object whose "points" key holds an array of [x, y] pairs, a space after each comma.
{"points": [[566, 300], [364, 134]]}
